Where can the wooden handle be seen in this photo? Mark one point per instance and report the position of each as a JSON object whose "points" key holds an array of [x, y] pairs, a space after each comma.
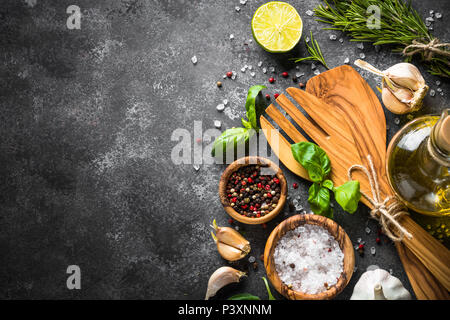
{"points": [[424, 284], [433, 254]]}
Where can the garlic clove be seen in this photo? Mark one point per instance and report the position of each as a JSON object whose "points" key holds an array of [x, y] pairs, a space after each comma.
{"points": [[229, 253], [405, 75], [392, 103], [220, 278], [405, 83], [231, 244], [232, 238]]}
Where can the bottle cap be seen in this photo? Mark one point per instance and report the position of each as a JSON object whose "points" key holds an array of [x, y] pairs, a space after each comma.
{"points": [[443, 132]]}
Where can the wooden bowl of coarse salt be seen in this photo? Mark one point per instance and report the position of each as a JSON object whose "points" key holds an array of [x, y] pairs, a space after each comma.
{"points": [[309, 257]]}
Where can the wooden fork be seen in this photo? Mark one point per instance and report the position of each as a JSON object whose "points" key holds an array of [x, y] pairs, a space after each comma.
{"points": [[333, 129]]}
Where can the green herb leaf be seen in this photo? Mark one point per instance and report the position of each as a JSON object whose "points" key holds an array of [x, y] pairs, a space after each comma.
{"points": [[314, 51], [244, 296], [328, 184], [319, 200], [271, 297], [348, 195], [250, 105], [246, 124], [313, 158], [231, 138]]}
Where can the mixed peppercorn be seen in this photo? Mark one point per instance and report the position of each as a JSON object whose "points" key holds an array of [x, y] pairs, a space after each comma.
{"points": [[252, 194]]}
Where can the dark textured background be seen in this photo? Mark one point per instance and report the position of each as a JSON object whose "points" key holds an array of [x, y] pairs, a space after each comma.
{"points": [[86, 123]]}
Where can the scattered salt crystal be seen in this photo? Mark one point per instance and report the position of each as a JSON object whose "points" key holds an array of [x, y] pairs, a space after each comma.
{"points": [[438, 83], [271, 69], [303, 259], [316, 72], [391, 271], [362, 55], [224, 76], [397, 121], [260, 64], [309, 12], [429, 19], [252, 74], [196, 167], [236, 228], [439, 89], [264, 70], [220, 107], [243, 69], [333, 37], [431, 12], [299, 74], [243, 2], [194, 59], [368, 230], [233, 75], [438, 15], [251, 259], [225, 101], [347, 60], [341, 40], [442, 93], [217, 124], [360, 45], [237, 8], [249, 67], [297, 67], [313, 66], [432, 93], [231, 36], [373, 250], [428, 23]]}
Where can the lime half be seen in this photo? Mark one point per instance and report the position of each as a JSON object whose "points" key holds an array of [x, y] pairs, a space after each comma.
{"points": [[277, 26]]}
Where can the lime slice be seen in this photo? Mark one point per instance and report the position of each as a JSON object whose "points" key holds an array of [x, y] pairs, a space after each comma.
{"points": [[277, 26]]}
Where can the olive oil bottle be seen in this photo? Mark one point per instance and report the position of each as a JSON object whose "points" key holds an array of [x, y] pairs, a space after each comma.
{"points": [[418, 166]]}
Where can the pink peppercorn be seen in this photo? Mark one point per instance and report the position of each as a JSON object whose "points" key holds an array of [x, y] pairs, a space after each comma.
{"points": [[271, 80]]}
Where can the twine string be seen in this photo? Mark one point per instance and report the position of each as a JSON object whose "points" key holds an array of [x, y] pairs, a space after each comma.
{"points": [[428, 49], [388, 211]]}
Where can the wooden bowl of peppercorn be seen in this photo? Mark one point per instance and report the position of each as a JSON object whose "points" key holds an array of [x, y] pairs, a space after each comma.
{"points": [[253, 190]]}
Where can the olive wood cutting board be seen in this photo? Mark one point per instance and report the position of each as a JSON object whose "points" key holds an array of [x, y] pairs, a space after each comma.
{"points": [[347, 120]]}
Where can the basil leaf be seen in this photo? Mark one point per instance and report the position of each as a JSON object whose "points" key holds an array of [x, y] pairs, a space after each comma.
{"points": [[348, 195], [244, 296], [250, 105], [328, 184], [313, 158], [319, 200], [231, 138]]}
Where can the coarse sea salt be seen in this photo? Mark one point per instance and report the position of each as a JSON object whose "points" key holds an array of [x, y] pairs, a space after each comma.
{"points": [[309, 259]]}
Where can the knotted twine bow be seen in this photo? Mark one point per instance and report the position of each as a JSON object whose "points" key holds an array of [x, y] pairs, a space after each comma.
{"points": [[386, 214], [433, 47]]}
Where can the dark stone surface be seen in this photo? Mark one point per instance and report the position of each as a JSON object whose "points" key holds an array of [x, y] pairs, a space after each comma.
{"points": [[86, 123]]}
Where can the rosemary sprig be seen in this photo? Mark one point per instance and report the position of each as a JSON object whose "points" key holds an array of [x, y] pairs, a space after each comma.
{"points": [[314, 51], [400, 26]]}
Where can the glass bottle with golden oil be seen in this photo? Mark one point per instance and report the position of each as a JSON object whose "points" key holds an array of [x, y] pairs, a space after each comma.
{"points": [[418, 166]]}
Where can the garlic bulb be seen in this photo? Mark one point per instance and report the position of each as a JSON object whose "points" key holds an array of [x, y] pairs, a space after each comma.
{"points": [[220, 278], [231, 244], [403, 87], [378, 284]]}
